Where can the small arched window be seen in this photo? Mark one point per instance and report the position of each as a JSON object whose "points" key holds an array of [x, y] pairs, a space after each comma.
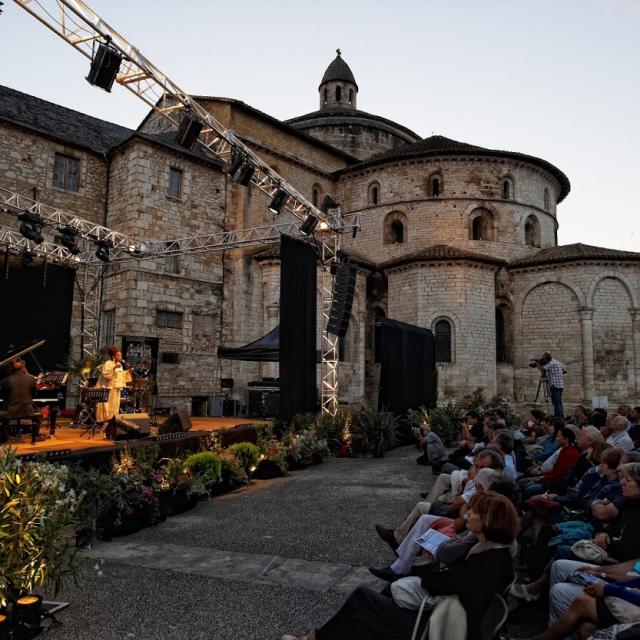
{"points": [[507, 189], [477, 229], [338, 93], [546, 199], [395, 228], [532, 232], [434, 185], [443, 341], [503, 334], [481, 227], [350, 96], [397, 231], [316, 195], [326, 96], [374, 193]]}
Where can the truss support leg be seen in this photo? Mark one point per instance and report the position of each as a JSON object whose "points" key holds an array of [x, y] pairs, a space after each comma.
{"points": [[329, 369]]}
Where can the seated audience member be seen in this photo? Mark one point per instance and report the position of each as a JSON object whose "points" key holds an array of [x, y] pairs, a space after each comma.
{"points": [[504, 443], [567, 457], [634, 426], [624, 410], [534, 426], [485, 571], [485, 459], [434, 452], [618, 436], [548, 444], [585, 441], [500, 417], [621, 540], [472, 435], [580, 416], [410, 553]]}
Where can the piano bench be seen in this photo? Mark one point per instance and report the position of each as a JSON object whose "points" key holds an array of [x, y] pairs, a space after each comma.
{"points": [[14, 425]]}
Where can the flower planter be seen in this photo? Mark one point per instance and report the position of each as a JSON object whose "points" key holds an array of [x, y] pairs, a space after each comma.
{"points": [[268, 469]]}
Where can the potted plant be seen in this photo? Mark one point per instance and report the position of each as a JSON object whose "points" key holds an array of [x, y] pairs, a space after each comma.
{"points": [[205, 468], [176, 487], [248, 454], [272, 462], [233, 473], [374, 431]]}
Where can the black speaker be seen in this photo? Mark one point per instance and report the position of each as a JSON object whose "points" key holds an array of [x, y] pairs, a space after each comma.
{"points": [[188, 132], [104, 67], [128, 426], [344, 288], [176, 422]]}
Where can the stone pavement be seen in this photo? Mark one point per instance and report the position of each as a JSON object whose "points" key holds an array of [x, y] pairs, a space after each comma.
{"points": [[277, 556]]}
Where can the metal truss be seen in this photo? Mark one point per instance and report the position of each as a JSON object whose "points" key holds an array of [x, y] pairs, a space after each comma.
{"points": [[329, 347], [89, 285], [13, 241], [78, 25]]}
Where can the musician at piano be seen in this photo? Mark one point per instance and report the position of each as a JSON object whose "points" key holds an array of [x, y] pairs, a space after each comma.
{"points": [[112, 377], [18, 390]]}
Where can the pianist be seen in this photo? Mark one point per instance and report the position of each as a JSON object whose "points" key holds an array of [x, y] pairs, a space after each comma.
{"points": [[18, 390]]}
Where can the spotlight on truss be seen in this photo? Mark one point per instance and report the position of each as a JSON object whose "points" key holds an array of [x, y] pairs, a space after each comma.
{"points": [[104, 67], [26, 259], [328, 203], [68, 239], [102, 252], [31, 226], [308, 225], [279, 200]]}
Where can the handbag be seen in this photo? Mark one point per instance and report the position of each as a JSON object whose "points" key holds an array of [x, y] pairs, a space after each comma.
{"points": [[408, 593], [591, 552], [623, 611]]}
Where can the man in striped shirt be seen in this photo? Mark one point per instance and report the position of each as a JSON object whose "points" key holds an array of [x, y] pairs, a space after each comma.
{"points": [[554, 372]]}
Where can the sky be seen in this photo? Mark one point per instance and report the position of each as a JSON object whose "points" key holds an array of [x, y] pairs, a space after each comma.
{"points": [[557, 79]]}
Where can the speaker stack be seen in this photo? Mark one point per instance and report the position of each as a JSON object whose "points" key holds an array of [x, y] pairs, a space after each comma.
{"points": [[344, 288], [175, 423]]}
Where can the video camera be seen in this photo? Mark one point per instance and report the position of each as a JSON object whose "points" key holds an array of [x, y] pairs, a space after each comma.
{"points": [[535, 362]]}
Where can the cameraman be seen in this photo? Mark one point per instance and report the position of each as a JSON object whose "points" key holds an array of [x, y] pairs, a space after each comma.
{"points": [[554, 372]]}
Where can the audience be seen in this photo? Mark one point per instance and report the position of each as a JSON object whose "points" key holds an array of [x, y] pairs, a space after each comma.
{"points": [[618, 436]]}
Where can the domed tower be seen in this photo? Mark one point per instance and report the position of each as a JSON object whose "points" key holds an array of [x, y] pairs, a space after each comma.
{"points": [[339, 123], [338, 87]]}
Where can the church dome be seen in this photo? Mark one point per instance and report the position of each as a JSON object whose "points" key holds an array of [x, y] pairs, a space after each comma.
{"points": [[338, 70]]}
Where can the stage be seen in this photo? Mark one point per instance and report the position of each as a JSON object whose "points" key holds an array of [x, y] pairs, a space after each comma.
{"points": [[69, 441]]}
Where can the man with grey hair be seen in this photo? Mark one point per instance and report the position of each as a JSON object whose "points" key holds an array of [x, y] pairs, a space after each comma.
{"points": [[485, 459], [618, 436]]}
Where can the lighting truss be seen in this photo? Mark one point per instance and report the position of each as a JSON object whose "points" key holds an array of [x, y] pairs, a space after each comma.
{"points": [[16, 243], [78, 25], [329, 347]]}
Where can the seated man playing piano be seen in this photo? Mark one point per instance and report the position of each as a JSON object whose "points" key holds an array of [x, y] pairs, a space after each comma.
{"points": [[18, 390]]}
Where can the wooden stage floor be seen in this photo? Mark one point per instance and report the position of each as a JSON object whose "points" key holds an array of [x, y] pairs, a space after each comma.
{"points": [[70, 438]]}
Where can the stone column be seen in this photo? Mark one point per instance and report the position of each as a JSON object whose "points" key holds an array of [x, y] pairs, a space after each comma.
{"points": [[271, 308], [635, 368], [586, 319]]}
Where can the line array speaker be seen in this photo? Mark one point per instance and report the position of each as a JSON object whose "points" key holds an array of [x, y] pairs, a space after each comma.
{"points": [[188, 132], [104, 67], [344, 288]]}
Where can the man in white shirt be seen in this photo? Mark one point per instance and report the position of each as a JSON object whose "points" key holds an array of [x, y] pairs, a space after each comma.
{"points": [[618, 436]]}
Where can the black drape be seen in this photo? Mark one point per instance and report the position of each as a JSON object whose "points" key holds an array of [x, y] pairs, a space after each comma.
{"points": [[408, 376], [34, 305], [297, 328]]}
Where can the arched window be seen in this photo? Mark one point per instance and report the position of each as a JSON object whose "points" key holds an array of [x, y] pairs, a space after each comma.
{"points": [[374, 193], [350, 96], [316, 195], [443, 341], [481, 225], [532, 232], [546, 199], [434, 185], [326, 96], [338, 93], [507, 189], [395, 228], [503, 334]]}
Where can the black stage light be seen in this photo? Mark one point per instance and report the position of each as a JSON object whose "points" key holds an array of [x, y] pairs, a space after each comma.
{"points": [[245, 174], [309, 224], [234, 166], [26, 259], [104, 67], [68, 239], [31, 226], [188, 131], [102, 252], [328, 203], [279, 200]]}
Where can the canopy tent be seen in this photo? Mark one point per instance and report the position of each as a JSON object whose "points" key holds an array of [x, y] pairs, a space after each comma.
{"points": [[265, 349]]}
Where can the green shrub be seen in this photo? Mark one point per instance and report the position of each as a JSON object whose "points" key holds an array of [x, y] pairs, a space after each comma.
{"points": [[247, 453], [232, 468], [374, 431], [303, 422], [206, 466], [446, 420]]}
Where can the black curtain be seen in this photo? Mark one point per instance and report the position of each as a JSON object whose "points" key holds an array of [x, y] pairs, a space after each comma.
{"points": [[297, 328], [408, 377], [36, 304]]}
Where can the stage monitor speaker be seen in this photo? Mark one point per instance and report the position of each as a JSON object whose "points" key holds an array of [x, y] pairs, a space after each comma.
{"points": [[129, 426], [178, 421], [188, 132], [344, 288], [104, 67]]}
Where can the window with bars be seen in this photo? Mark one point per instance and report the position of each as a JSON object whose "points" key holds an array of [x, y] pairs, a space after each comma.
{"points": [[174, 190], [169, 319], [109, 327], [443, 341], [66, 172]]}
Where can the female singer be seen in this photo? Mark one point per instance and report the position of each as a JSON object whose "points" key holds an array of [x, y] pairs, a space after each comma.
{"points": [[111, 377]]}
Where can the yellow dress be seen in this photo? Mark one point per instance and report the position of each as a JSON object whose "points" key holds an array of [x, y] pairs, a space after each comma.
{"points": [[111, 377]]}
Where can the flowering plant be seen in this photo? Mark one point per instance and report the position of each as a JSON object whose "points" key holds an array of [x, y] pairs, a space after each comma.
{"points": [[275, 451], [305, 447]]}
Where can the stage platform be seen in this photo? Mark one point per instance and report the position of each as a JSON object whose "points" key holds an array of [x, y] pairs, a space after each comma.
{"points": [[69, 441]]}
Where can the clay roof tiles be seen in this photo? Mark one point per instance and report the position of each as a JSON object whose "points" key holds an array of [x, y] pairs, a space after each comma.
{"points": [[439, 252], [574, 252]]}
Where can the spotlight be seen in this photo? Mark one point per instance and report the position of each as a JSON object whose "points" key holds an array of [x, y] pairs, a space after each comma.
{"points": [[328, 203], [234, 166], [245, 174], [102, 252], [188, 131], [31, 226], [323, 226], [309, 224], [26, 259], [279, 200], [68, 239], [104, 67]]}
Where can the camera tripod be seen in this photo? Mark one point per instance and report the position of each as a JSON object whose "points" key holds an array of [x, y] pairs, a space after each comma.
{"points": [[543, 385]]}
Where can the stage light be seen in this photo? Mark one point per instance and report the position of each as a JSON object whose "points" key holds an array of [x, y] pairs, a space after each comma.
{"points": [[233, 166], [31, 226], [245, 174], [328, 203], [102, 252], [279, 200], [68, 239], [323, 226], [188, 131], [309, 224], [27, 259], [104, 67]]}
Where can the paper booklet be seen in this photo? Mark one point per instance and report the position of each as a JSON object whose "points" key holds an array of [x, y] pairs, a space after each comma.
{"points": [[431, 540]]}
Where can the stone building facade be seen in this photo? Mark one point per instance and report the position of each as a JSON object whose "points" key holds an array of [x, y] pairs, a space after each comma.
{"points": [[456, 238]]}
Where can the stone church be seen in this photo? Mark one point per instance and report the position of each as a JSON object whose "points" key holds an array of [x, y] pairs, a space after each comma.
{"points": [[455, 237]]}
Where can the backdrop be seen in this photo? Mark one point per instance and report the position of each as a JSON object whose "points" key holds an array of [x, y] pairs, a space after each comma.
{"points": [[297, 328], [408, 376]]}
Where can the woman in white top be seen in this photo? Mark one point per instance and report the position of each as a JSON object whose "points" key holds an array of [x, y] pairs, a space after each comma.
{"points": [[111, 377]]}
